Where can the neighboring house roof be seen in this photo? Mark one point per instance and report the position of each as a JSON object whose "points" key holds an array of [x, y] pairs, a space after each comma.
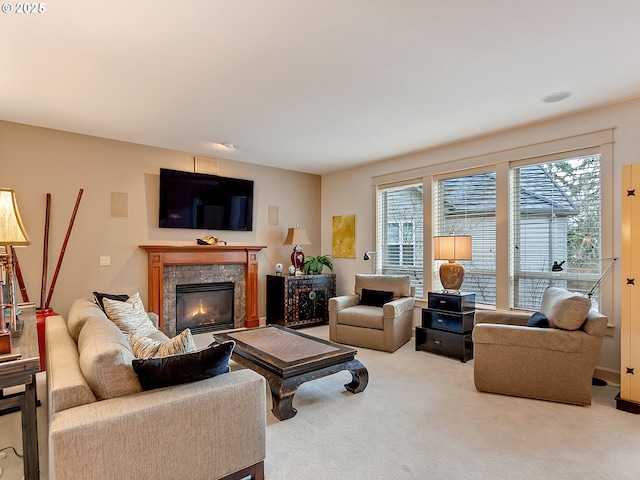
{"points": [[538, 192]]}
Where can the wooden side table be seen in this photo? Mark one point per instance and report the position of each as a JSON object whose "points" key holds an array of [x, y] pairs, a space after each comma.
{"points": [[19, 372]]}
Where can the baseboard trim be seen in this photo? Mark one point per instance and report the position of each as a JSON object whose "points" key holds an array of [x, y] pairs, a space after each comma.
{"points": [[607, 375]]}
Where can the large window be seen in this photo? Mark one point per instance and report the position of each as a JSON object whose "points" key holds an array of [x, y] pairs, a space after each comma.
{"points": [[556, 228], [539, 215], [466, 205], [399, 232]]}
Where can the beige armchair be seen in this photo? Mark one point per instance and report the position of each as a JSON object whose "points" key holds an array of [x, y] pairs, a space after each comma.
{"points": [[554, 363], [379, 315]]}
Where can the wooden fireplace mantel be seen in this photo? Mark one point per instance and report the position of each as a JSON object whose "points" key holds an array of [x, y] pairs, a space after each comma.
{"points": [[161, 255]]}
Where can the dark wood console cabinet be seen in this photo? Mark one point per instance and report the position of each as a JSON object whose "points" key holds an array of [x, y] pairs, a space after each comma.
{"points": [[447, 324], [299, 300]]}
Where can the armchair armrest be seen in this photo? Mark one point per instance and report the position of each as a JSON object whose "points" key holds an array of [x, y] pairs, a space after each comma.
{"points": [[344, 301], [502, 317], [571, 341], [397, 307]]}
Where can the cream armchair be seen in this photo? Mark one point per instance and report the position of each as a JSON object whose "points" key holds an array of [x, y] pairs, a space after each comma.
{"points": [[554, 363], [379, 315]]}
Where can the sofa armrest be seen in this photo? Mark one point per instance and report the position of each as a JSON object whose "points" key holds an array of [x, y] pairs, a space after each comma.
{"points": [[501, 317], [205, 429], [397, 307], [344, 301]]}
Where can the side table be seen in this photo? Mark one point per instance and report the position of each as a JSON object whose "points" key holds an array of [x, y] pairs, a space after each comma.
{"points": [[447, 324], [20, 372], [299, 300]]}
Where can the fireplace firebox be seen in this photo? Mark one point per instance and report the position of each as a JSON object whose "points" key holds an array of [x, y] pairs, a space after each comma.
{"points": [[204, 307]]}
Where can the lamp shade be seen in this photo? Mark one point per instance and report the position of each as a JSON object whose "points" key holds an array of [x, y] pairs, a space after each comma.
{"points": [[12, 231], [297, 236], [452, 247]]}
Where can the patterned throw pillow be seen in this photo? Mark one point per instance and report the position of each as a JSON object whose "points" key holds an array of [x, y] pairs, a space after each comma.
{"points": [[190, 367], [145, 347], [129, 316]]}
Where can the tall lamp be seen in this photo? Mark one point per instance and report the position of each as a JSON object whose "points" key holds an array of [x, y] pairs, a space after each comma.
{"points": [[452, 248], [296, 237], [12, 233]]}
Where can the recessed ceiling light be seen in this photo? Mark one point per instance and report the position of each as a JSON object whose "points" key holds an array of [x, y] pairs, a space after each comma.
{"points": [[556, 97], [228, 145]]}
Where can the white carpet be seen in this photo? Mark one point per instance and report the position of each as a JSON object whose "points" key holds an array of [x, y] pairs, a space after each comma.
{"points": [[421, 417]]}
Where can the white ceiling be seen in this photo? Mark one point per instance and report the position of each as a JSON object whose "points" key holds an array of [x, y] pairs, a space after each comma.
{"points": [[312, 85]]}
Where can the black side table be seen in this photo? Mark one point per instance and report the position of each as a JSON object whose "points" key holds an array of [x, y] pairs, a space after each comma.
{"points": [[447, 324]]}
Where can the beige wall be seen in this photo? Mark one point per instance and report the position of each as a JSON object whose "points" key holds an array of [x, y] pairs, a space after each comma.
{"points": [[36, 161], [350, 192]]}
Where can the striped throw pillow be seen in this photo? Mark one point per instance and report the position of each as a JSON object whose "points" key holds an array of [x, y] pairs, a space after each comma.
{"points": [[129, 316], [145, 347]]}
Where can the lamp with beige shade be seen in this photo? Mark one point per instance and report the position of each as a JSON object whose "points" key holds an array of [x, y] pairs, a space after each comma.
{"points": [[452, 248], [12, 234]]}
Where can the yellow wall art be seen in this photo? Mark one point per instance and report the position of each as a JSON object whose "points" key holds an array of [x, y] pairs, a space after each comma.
{"points": [[343, 242]]}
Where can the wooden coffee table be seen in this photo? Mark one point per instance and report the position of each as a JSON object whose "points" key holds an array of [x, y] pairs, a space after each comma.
{"points": [[287, 358]]}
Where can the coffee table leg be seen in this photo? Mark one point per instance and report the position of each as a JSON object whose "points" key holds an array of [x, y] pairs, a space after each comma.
{"points": [[359, 376], [282, 392]]}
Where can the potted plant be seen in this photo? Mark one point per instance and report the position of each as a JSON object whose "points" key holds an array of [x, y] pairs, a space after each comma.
{"points": [[314, 265]]}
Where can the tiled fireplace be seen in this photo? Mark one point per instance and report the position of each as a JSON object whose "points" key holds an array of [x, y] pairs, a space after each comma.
{"points": [[175, 275], [172, 265]]}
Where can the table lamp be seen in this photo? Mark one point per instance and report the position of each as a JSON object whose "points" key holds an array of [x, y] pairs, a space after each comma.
{"points": [[12, 233], [452, 248], [297, 236]]}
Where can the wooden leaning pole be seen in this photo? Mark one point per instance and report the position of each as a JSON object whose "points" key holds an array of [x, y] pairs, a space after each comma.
{"points": [[45, 310]]}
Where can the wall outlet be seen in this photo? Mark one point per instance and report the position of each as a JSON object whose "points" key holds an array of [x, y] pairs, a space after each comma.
{"points": [[105, 261]]}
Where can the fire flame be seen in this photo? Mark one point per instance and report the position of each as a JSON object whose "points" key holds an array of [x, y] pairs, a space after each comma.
{"points": [[199, 311]]}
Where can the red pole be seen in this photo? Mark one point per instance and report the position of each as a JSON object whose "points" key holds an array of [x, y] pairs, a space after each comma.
{"points": [[45, 253], [64, 247]]}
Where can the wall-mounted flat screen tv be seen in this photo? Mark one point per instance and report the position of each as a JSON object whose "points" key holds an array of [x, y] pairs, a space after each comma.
{"points": [[206, 202]]}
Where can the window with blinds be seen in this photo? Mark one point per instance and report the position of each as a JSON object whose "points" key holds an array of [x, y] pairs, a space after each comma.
{"points": [[466, 205], [555, 224], [399, 232]]}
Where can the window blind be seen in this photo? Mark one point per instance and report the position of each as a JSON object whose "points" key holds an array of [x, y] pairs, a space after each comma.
{"points": [[556, 229], [466, 205], [399, 232]]}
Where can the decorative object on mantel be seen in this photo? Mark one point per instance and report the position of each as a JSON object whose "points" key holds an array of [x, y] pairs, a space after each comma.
{"points": [[314, 265], [210, 241], [279, 269], [12, 233], [297, 236], [452, 248]]}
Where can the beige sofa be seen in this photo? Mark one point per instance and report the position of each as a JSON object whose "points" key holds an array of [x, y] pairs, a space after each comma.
{"points": [[385, 327], [553, 363], [209, 429]]}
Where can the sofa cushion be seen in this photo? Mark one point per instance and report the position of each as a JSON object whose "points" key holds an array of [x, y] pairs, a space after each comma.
{"points": [[105, 359], [145, 347], [564, 309], [129, 316], [97, 296], [538, 320], [184, 368], [80, 311], [375, 298]]}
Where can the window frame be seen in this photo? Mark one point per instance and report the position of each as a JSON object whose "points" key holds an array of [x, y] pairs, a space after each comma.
{"points": [[451, 163]]}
